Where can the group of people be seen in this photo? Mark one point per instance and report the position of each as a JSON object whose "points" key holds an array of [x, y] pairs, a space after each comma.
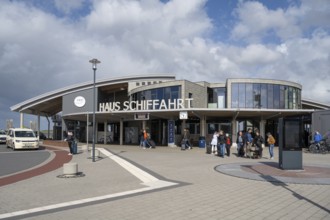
{"points": [[220, 144], [247, 144]]}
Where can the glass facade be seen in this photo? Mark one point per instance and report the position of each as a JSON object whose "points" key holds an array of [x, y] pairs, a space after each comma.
{"points": [[263, 95], [216, 97], [165, 93], [213, 126]]}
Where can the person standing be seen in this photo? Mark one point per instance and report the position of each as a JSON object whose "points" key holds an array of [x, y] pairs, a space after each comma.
{"points": [[214, 143], [258, 141], [228, 145], [221, 144], [271, 142], [70, 140], [240, 144], [249, 141]]}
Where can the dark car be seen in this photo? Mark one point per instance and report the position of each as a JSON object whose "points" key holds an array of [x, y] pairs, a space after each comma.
{"points": [[3, 137], [42, 136]]}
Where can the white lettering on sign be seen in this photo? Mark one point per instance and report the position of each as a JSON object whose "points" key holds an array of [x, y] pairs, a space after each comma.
{"points": [[145, 105]]}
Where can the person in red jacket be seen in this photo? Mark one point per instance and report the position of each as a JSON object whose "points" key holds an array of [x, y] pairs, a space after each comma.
{"points": [[228, 145]]}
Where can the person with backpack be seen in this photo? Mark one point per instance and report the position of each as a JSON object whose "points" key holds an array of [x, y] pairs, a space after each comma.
{"points": [[228, 144], [271, 142]]}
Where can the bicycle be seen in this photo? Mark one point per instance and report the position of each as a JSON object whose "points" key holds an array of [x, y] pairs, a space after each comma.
{"points": [[108, 139], [320, 147]]}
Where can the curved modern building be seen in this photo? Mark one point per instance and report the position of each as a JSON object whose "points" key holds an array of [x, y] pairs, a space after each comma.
{"points": [[166, 106]]}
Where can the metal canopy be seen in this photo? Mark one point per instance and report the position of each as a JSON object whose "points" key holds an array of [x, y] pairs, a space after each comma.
{"points": [[259, 114]]}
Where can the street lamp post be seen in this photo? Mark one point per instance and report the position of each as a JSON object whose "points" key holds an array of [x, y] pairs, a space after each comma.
{"points": [[94, 62]]}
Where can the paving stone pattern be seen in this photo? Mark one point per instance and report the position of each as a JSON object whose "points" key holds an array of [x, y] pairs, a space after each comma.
{"points": [[202, 192]]}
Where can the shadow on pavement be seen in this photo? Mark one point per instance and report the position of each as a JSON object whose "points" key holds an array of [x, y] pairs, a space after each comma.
{"points": [[277, 182]]}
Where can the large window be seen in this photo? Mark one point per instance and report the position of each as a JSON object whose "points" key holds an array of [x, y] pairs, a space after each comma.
{"points": [[216, 97], [256, 96], [249, 95], [166, 93], [270, 96], [276, 97], [234, 95], [263, 95], [241, 95]]}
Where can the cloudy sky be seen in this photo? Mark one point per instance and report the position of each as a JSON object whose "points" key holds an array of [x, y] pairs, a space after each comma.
{"points": [[46, 44]]}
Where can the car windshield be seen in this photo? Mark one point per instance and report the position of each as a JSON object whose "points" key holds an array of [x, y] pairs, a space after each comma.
{"points": [[2, 132], [24, 134]]}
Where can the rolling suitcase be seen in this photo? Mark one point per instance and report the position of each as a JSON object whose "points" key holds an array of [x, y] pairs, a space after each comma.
{"points": [[208, 149], [183, 145], [152, 143], [74, 147]]}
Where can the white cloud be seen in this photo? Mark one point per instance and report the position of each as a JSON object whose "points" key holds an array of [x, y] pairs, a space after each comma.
{"points": [[313, 14], [40, 52], [258, 54], [257, 22]]}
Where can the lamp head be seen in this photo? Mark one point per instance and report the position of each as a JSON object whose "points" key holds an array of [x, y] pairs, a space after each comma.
{"points": [[94, 62]]}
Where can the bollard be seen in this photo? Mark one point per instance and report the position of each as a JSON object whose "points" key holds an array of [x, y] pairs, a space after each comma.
{"points": [[70, 169], [97, 153]]}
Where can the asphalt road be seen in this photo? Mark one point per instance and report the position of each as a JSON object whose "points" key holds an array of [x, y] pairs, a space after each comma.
{"points": [[19, 160]]}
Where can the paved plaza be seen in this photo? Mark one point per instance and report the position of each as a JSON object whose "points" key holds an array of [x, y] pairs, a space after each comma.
{"points": [[128, 182]]}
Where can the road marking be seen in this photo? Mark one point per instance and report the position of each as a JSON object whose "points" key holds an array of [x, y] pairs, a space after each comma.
{"points": [[147, 179], [137, 172]]}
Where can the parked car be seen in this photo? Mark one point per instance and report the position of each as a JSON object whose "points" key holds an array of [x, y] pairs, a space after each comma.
{"points": [[22, 138], [2, 137], [42, 136]]}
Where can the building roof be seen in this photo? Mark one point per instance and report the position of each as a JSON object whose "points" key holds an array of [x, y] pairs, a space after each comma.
{"points": [[49, 104], [311, 104]]}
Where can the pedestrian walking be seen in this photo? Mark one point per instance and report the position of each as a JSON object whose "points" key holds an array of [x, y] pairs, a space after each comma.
{"points": [[271, 142], [186, 138], [146, 136]]}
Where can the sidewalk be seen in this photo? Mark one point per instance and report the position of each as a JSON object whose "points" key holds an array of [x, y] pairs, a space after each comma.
{"points": [[194, 190]]}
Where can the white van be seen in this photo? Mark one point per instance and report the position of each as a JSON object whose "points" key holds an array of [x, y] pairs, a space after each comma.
{"points": [[22, 138]]}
